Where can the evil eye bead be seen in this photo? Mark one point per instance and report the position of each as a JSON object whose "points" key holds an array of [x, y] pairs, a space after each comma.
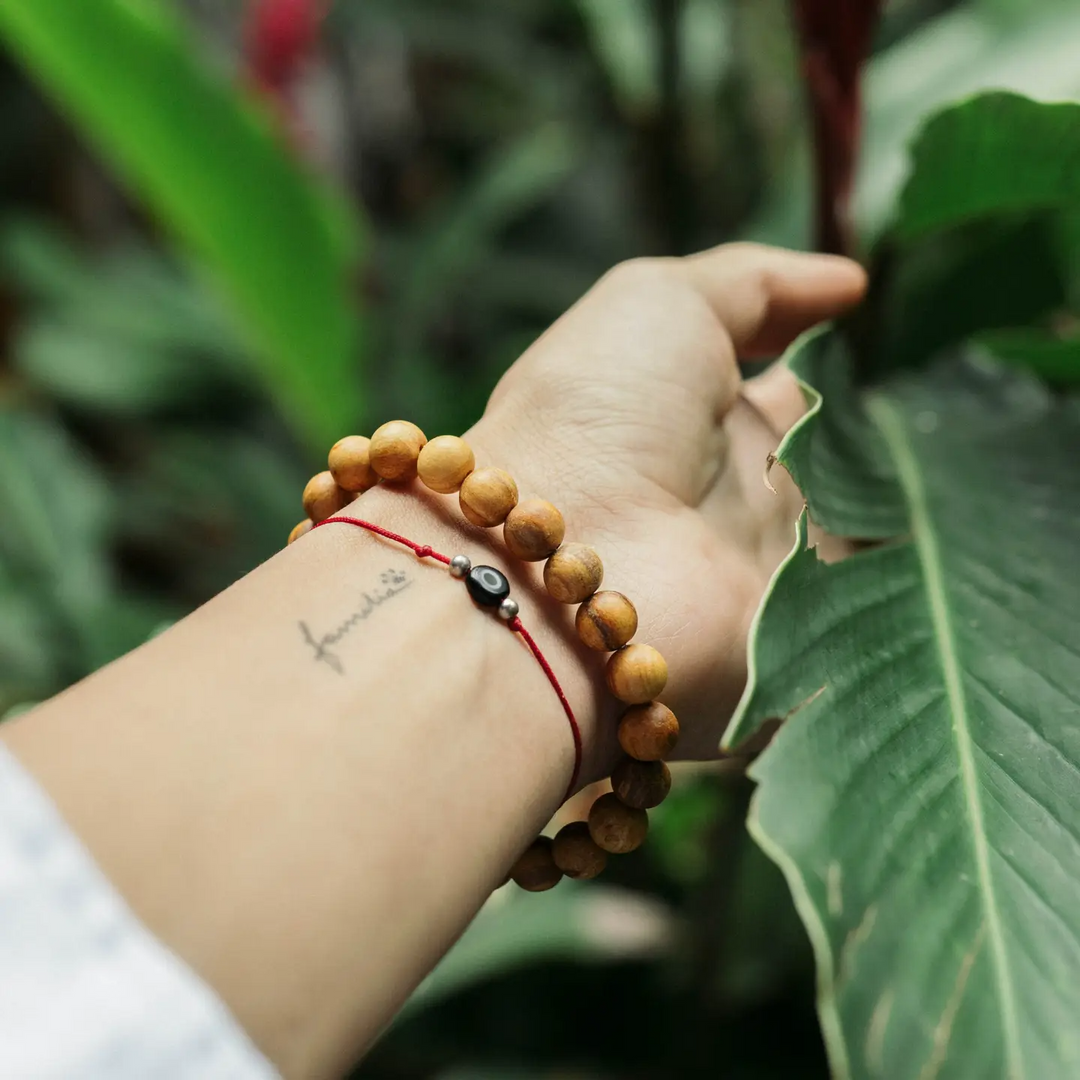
{"points": [[487, 586]]}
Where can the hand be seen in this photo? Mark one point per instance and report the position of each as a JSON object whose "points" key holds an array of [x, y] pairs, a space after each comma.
{"points": [[631, 416]]}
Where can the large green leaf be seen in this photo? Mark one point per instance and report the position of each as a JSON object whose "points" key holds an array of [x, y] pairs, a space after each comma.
{"points": [[922, 797], [970, 49], [997, 153], [965, 280], [211, 166], [985, 235], [918, 799]]}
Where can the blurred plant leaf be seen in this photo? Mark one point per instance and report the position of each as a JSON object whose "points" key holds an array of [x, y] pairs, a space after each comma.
{"points": [[944, 288], [98, 372], [681, 827], [983, 236], [182, 505], [212, 168], [1054, 359], [623, 37], [129, 291], [763, 942], [995, 154], [123, 334], [55, 573], [450, 246], [18, 709], [55, 507], [706, 48], [121, 622], [513, 181], [971, 49], [501, 40], [573, 922], [28, 654]]}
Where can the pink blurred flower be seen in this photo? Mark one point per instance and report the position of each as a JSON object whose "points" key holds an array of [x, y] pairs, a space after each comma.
{"points": [[280, 37]]}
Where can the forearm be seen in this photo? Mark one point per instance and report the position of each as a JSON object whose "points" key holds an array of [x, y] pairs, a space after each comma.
{"points": [[309, 786]]}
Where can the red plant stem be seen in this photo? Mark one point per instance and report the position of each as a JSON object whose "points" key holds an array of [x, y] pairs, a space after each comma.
{"points": [[425, 551], [834, 41]]}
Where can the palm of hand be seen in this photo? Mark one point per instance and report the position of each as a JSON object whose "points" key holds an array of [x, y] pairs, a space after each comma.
{"points": [[630, 414]]}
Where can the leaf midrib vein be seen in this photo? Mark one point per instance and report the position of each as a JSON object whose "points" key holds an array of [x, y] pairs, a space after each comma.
{"points": [[890, 423]]}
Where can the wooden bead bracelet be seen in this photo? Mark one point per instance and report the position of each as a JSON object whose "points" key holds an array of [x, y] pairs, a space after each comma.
{"points": [[533, 530]]}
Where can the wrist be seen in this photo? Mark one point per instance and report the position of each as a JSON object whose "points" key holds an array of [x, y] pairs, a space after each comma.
{"points": [[435, 520], [534, 530]]}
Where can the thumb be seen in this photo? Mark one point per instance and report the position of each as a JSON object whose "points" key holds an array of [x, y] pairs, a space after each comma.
{"points": [[765, 297]]}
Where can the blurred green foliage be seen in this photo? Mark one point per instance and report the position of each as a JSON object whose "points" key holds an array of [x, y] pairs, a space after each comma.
{"points": [[215, 172], [501, 155]]}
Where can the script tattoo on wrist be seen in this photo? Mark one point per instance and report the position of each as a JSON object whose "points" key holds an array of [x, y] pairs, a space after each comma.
{"points": [[391, 583]]}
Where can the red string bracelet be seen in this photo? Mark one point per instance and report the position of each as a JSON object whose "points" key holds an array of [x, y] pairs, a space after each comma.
{"points": [[425, 551], [605, 621]]}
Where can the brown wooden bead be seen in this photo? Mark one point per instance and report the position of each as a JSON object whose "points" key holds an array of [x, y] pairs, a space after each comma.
{"points": [[636, 674], [487, 497], [577, 854], [395, 448], [533, 530], [616, 827], [573, 573], [536, 871], [300, 528], [641, 784], [606, 621], [648, 732], [444, 463], [350, 463], [323, 498]]}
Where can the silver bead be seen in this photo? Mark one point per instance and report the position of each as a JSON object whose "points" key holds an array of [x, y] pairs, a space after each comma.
{"points": [[460, 565], [508, 610]]}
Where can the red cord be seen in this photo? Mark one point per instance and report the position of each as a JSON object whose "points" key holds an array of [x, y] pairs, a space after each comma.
{"points": [[422, 550], [516, 625], [425, 551]]}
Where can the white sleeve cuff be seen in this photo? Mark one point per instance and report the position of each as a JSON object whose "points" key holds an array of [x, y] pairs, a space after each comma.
{"points": [[86, 991]]}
